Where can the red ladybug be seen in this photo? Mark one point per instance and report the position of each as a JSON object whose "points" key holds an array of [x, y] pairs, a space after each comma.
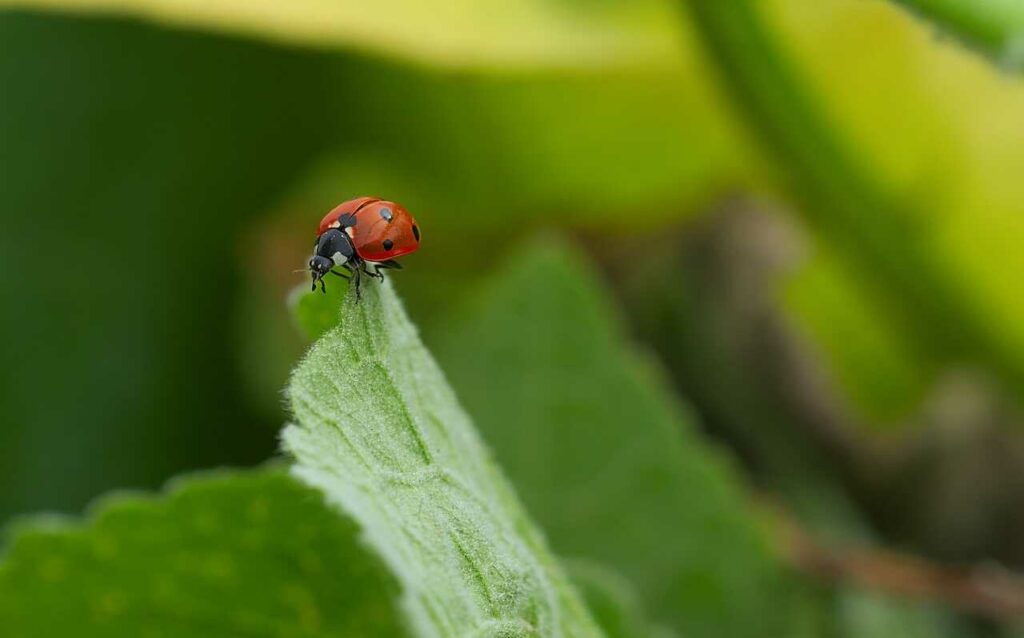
{"points": [[362, 235]]}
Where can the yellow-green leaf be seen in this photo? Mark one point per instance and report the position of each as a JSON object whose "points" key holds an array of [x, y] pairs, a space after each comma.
{"points": [[459, 33]]}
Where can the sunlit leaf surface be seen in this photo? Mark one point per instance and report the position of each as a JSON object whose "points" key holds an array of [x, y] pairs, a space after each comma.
{"points": [[463, 33], [996, 27], [381, 434]]}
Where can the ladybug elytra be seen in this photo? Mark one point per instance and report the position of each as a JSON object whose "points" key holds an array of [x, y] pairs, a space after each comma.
{"points": [[363, 236]]}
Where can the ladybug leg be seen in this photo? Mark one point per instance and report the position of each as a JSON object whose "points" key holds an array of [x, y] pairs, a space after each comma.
{"points": [[390, 264], [375, 273], [359, 280], [317, 279], [342, 275]]}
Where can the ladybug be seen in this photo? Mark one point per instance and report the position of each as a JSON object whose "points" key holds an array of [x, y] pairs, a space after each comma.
{"points": [[363, 235]]}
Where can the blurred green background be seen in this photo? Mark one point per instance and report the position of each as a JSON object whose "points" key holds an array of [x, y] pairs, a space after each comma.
{"points": [[809, 215]]}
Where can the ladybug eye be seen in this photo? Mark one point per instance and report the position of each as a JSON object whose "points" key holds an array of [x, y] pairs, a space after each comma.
{"points": [[416, 232], [388, 244]]}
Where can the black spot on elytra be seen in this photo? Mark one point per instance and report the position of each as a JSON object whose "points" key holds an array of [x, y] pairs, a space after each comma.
{"points": [[388, 244], [416, 232], [386, 214]]}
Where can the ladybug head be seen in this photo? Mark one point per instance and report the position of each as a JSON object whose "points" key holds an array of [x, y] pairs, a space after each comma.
{"points": [[318, 267]]}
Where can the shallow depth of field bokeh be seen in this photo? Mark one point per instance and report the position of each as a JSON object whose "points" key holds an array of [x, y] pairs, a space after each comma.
{"points": [[806, 219]]}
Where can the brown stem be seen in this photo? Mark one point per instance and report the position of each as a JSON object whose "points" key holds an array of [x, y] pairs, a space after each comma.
{"points": [[985, 590]]}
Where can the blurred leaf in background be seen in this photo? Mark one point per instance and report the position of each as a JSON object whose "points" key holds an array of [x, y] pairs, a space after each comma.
{"points": [[610, 466], [222, 554], [884, 376], [908, 194], [861, 351], [607, 463], [162, 165], [901, 148], [942, 127], [993, 26], [130, 159], [614, 601], [463, 33]]}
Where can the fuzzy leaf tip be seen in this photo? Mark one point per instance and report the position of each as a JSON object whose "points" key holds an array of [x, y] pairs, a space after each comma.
{"points": [[380, 432]]}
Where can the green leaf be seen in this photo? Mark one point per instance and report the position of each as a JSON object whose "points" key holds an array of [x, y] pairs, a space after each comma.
{"points": [[460, 33], [884, 378], [495, 152], [381, 434], [914, 273], [951, 155], [221, 554], [142, 348], [605, 460], [868, 614], [614, 602], [996, 27], [136, 147], [314, 312]]}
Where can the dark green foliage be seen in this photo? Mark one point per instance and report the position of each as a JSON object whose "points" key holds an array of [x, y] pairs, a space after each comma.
{"points": [[131, 157], [223, 554], [134, 186], [604, 459], [614, 602], [862, 352]]}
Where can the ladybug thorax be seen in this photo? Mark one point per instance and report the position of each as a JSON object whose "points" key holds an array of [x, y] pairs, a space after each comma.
{"points": [[333, 248]]}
